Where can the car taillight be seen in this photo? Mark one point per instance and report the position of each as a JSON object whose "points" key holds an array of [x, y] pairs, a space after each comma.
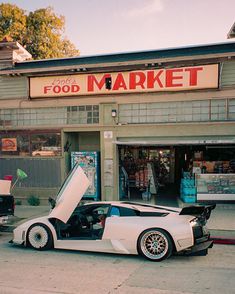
{"points": [[195, 222]]}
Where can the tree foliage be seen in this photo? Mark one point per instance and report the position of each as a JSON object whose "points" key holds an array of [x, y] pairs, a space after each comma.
{"points": [[40, 32]]}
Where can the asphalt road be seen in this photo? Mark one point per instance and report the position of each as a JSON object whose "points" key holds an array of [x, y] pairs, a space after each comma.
{"points": [[25, 271]]}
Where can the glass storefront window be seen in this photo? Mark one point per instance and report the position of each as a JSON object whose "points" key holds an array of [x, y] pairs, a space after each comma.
{"points": [[87, 114], [218, 109], [23, 144], [231, 109], [18, 143], [178, 111], [46, 144]]}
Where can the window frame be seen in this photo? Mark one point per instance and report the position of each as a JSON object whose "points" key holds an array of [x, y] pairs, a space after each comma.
{"points": [[30, 134]]}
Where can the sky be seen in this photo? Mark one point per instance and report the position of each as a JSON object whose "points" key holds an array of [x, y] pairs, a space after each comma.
{"points": [[108, 26]]}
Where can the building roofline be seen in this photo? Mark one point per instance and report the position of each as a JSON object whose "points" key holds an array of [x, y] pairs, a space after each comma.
{"points": [[81, 63], [143, 52], [133, 52]]}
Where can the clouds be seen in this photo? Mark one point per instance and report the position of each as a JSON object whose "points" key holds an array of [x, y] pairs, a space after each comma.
{"points": [[147, 8]]}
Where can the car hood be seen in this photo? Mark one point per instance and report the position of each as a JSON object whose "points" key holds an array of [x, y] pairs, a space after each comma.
{"points": [[70, 194]]}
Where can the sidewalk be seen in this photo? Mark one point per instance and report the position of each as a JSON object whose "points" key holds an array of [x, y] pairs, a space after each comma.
{"points": [[24, 212], [222, 224], [28, 211]]}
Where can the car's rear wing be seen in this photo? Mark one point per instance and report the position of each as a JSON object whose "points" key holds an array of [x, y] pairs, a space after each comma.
{"points": [[202, 211]]}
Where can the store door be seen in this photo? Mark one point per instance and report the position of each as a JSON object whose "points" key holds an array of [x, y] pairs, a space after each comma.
{"points": [[144, 171]]}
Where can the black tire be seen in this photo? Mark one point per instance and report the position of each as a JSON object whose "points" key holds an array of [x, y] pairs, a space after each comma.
{"points": [[155, 244], [39, 237]]}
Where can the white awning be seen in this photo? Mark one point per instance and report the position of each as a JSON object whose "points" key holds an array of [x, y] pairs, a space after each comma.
{"points": [[175, 142]]}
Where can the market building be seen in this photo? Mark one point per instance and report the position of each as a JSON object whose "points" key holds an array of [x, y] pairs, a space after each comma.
{"points": [[141, 123]]}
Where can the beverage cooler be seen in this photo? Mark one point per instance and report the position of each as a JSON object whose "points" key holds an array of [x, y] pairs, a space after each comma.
{"points": [[90, 163]]}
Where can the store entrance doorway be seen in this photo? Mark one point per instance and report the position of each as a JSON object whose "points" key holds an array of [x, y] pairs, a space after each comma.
{"points": [[157, 172], [146, 171]]}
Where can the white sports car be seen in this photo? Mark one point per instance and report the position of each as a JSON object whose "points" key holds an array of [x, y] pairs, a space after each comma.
{"points": [[153, 231]]}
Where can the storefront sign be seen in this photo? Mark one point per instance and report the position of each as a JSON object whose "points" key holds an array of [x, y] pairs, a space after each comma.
{"points": [[108, 134], [157, 80], [9, 144]]}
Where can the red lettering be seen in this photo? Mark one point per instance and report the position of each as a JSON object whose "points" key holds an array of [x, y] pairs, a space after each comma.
{"points": [[46, 89], [151, 79], [119, 83], [65, 89], [137, 79], [193, 75], [170, 78], [75, 88], [91, 81], [57, 89]]}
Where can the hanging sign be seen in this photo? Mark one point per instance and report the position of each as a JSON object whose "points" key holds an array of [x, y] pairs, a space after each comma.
{"points": [[155, 80]]}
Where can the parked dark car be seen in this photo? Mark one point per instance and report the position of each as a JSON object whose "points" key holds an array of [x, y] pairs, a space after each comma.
{"points": [[7, 207]]}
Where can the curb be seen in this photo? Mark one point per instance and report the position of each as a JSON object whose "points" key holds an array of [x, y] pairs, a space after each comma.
{"points": [[222, 240]]}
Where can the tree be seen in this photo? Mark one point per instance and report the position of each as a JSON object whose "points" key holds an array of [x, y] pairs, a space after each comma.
{"points": [[40, 32], [12, 22]]}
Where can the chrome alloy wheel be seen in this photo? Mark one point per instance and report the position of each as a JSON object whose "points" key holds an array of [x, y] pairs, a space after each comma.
{"points": [[154, 244], [38, 237]]}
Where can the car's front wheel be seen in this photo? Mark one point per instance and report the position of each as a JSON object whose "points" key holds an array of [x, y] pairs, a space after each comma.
{"points": [[155, 244], [39, 237]]}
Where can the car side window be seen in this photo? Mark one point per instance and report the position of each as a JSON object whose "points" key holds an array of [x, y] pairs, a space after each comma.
{"points": [[115, 211], [124, 211]]}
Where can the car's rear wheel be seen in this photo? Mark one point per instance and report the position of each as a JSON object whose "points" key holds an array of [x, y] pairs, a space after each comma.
{"points": [[39, 237], [155, 244]]}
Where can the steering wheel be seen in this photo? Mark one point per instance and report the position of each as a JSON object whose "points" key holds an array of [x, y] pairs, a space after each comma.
{"points": [[83, 220], [95, 217]]}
